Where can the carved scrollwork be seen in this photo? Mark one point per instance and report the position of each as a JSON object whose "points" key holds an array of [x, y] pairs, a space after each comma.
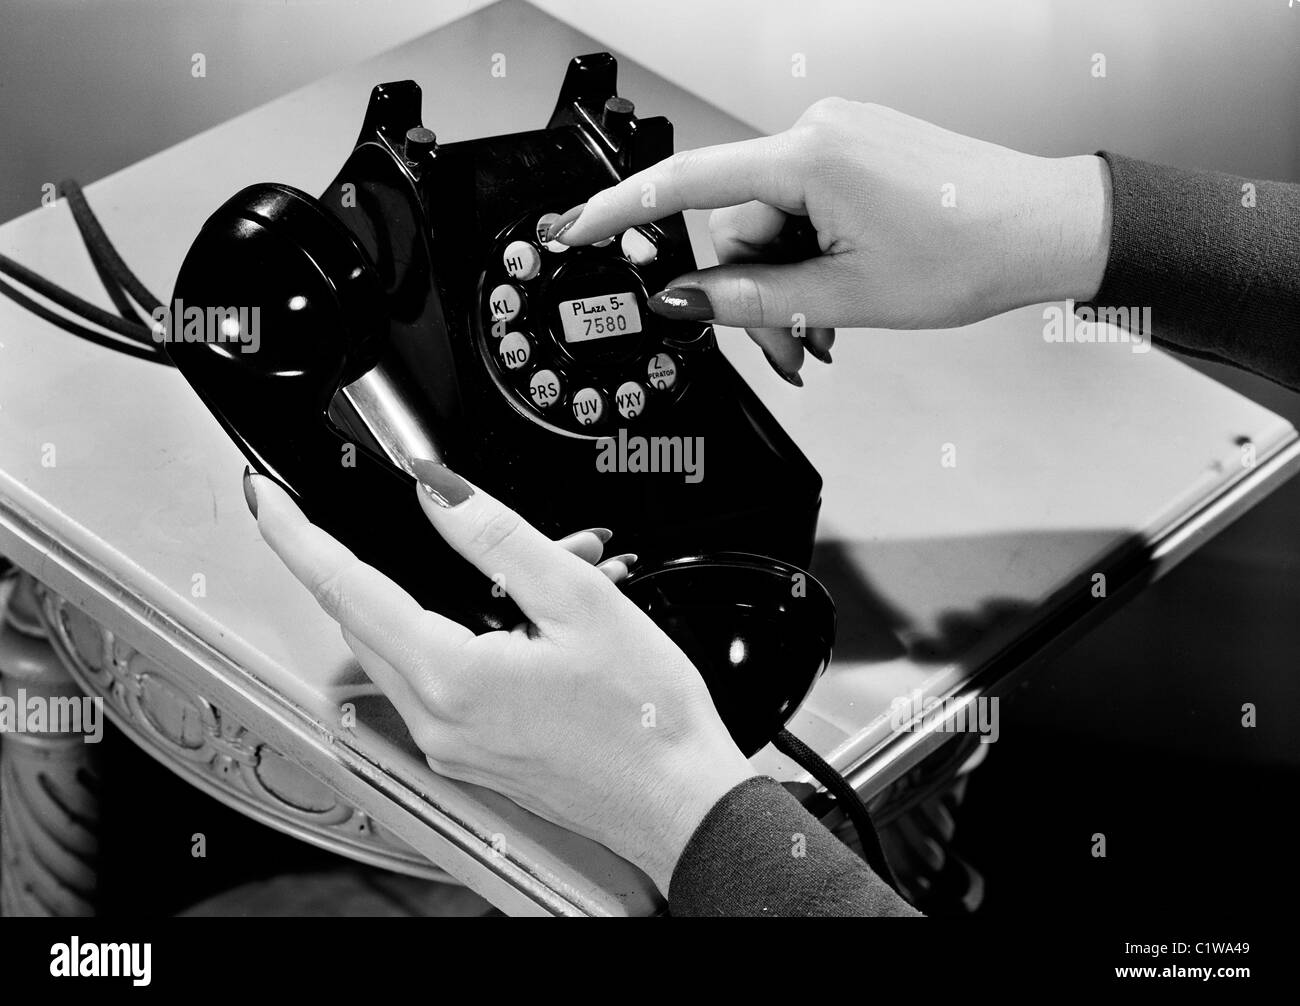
{"points": [[211, 748]]}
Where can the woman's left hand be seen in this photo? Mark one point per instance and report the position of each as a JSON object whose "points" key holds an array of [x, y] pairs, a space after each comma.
{"points": [[587, 715]]}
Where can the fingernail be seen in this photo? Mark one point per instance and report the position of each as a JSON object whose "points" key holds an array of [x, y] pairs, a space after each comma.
{"points": [[603, 533], [822, 354], [441, 484], [682, 303], [627, 559], [250, 493], [789, 378], [564, 221]]}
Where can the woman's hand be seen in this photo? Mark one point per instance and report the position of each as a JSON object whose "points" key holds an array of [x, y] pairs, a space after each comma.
{"points": [[587, 715], [917, 227]]}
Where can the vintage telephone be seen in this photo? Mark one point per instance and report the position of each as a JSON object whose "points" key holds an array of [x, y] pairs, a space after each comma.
{"points": [[415, 310]]}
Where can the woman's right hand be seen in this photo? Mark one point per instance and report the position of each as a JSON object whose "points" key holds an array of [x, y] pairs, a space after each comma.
{"points": [[917, 227]]}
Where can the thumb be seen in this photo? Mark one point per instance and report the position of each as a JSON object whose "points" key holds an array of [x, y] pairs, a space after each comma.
{"points": [[757, 295]]}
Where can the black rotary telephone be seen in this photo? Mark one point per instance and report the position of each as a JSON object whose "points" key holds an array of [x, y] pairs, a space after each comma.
{"points": [[416, 310]]}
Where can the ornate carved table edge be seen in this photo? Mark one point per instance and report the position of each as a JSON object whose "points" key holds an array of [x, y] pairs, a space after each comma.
{"points": [[206, 745]]}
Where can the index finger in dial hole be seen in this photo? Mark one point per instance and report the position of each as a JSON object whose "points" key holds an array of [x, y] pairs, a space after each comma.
{"points": [[704, 178]]}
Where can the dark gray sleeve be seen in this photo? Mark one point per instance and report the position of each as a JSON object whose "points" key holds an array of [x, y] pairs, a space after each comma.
{"points": [[758, 852], [1215, 257]]}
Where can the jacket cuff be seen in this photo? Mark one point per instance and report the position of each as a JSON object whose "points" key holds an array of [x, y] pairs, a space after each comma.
{"points": [[758, 852]]}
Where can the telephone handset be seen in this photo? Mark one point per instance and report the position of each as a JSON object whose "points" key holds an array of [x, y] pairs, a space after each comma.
{"points": [[416, 310]]}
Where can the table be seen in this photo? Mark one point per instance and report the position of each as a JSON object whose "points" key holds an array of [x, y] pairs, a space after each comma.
{"points": [[147, 584]]}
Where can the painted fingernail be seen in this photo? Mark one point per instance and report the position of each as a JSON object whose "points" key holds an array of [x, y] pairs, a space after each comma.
{"points": [[628, 559], [564, 221], [818, 342], [603, 533], [250, 493], [682, 303], [789, 378], [441, 484]]}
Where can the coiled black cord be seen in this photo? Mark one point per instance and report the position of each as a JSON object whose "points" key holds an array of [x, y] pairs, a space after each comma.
{"points": [[847, 798], [116, 274], [135, 337]]}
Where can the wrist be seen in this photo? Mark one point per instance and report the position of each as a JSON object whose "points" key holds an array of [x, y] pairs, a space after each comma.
{"points": [[1069, 222], [682, 795]]}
